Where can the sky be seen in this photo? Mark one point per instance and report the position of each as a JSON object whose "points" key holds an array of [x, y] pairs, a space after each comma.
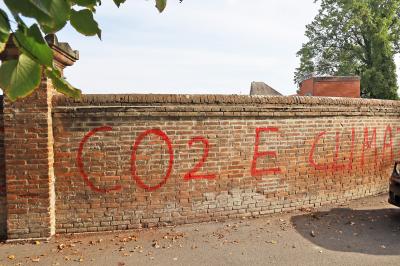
{"points": [[194, 47]]}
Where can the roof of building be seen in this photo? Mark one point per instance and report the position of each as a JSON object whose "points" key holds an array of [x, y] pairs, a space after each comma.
{"points": [[260, 88]]}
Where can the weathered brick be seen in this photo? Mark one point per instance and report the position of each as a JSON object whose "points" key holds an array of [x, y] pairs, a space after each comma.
{"points": [[311, 152]]}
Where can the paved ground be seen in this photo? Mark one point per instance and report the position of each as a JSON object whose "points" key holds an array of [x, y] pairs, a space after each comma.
{"points": [[363, 232]]}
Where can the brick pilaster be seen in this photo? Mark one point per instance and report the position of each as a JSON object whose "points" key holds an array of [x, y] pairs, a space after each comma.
{"points": [[29, 158]]}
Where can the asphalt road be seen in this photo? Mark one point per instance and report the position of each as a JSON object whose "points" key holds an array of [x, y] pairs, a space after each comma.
{"points": [[363, 232]]}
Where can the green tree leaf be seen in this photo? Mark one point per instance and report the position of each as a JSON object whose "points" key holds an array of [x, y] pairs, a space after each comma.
{"points": [[119, 2], [19, 78], [52, 15], [61, 85], [89, 4], [28, 8], [85, 3], [161, 4], [4, 29], [32, 43], [84, 22]]}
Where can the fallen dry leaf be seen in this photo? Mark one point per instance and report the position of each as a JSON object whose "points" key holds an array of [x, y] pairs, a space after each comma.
{"points": [[155, 244]]}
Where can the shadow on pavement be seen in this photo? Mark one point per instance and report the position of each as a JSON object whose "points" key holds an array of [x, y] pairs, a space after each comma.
{"points": [[375, 232]]}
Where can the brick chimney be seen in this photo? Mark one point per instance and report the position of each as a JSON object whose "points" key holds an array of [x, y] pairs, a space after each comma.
{"points": [[340, 86]]}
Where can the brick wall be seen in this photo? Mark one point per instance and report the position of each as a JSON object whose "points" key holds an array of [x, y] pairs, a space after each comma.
{"points": [[28, 145], [331, 87], [307, 87], [3, 210], [131, 161]]}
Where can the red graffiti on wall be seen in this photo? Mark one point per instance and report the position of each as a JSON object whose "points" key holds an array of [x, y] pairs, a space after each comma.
{"points": [[257, 154], [397, 144], [312, 151], [192, 173], [386, 145], [368, 145], [335, 165], [81, 165], [353, 138], [139, 139], [339, 167]]}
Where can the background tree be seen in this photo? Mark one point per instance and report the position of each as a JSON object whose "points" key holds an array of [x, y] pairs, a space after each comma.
{"points": [[354, 37], [20, 77]]}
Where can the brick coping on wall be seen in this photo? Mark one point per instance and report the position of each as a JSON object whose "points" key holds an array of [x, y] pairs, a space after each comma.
{"points": [[182, 99], [225, 105]]}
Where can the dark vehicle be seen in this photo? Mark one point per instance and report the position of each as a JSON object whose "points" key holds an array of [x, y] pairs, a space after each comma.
{"points": [[394, 188]]}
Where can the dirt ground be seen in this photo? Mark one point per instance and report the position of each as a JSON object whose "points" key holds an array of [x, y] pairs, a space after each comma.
{"points": [[363, 232]]}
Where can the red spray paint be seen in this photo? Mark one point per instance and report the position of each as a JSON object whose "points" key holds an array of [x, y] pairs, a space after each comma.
{"points": [[192, 173], [139, 139], [79, 161], [257, 154]]}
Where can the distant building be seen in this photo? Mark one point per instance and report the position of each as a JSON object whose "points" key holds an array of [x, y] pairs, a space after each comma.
{"points": [[260, 88], [340, 86]]}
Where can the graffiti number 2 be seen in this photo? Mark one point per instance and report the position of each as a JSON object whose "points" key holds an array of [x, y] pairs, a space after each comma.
{"points": [[192, 173]]}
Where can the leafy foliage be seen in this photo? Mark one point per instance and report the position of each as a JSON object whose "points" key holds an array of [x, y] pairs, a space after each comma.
{"points": [[31, 42], [354, 37], [20, 77], [4, 29], [84, 22]]}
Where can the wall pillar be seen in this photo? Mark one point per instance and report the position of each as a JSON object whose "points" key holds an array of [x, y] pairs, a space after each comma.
{"points": [[29, 158]]}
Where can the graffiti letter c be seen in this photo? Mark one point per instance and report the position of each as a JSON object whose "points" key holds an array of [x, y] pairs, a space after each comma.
{"points": [[81, 165]]}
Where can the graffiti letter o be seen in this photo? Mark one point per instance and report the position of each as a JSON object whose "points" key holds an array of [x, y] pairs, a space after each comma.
{"points": [[139, 139]]}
